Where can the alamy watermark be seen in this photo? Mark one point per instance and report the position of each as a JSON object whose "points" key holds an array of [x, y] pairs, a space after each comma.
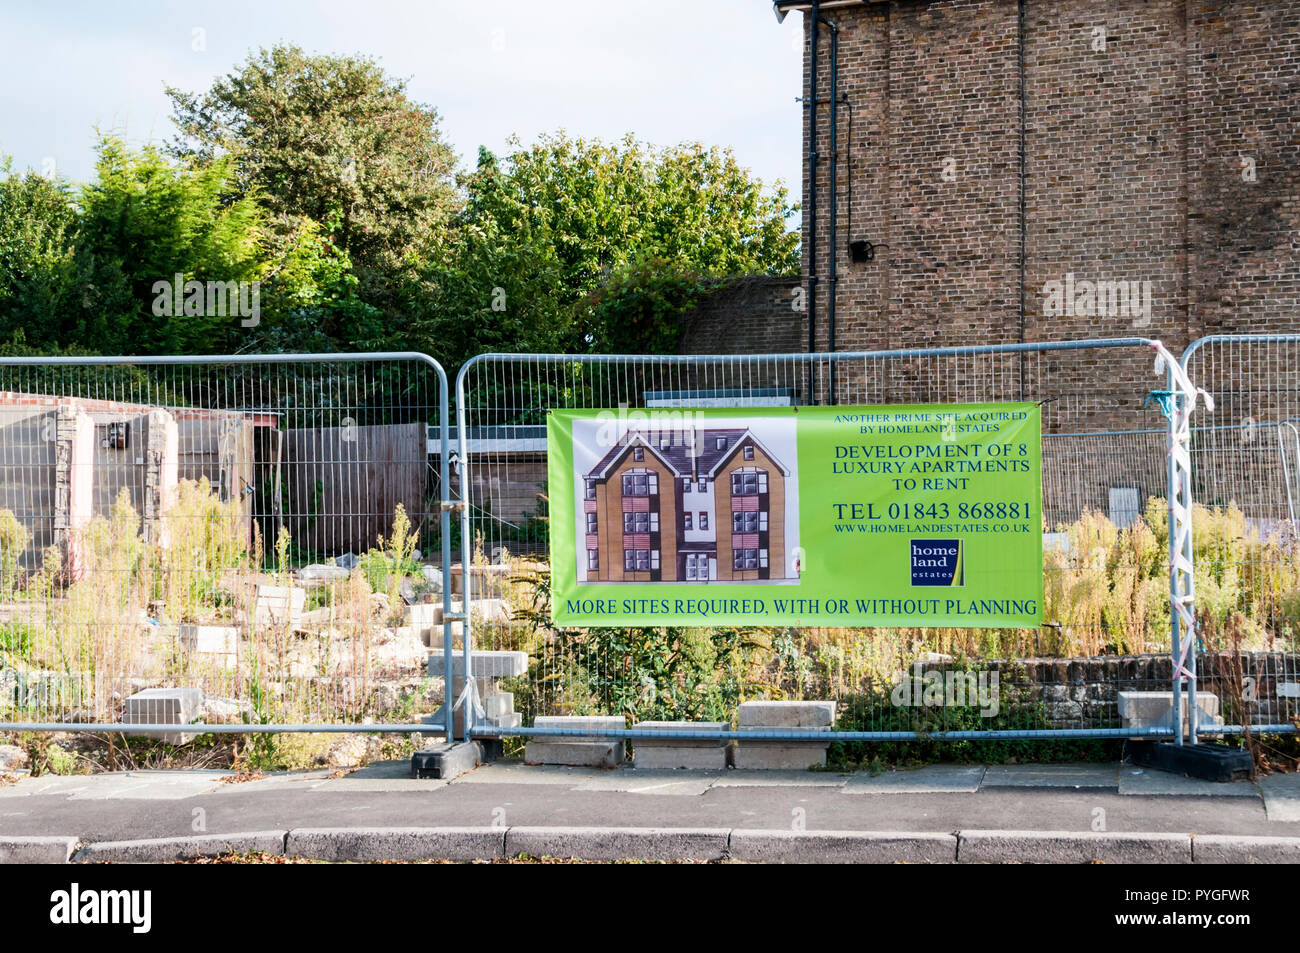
{"points": [[657, 428], [950, 689], [241, 299], [1097, 299]]}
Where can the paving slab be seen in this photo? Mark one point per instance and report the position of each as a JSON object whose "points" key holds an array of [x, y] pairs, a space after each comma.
{"points": [[379, 776], [1071, 847], [630, 843], [739, 778], [931, 779], [642, 781], [416, 843], [842, 847], [516, 772], [1238, 849], [142, 785], [1281, 796], [1051, 776], [164, 849], [151, 785], [276, 781], [1140, 781], [36, 850]]}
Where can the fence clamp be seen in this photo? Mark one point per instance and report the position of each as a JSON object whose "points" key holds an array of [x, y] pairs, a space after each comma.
{"points": [[1165, 398], [452, 505], [455, 617]]}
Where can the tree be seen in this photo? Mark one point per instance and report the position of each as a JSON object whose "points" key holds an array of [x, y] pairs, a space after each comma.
{"points": [[332, 139], [144, 221], [597, 247], [39, 282]]}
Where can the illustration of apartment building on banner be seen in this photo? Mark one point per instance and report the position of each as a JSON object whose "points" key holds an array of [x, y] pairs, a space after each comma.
{"points": [[683, 506]]}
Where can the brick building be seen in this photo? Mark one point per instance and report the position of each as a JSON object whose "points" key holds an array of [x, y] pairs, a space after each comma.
{"points": [[1037, 170], [993, 155]]}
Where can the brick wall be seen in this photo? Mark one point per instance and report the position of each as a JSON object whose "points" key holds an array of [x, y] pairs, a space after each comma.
{"points": [[1141, 121], [747, 315]]}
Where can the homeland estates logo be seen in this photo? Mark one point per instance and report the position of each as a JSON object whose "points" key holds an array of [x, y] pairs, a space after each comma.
{"points": [[937, 562]]}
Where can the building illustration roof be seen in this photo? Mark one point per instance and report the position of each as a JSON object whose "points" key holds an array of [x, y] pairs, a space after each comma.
{"points": [[681, 458]]}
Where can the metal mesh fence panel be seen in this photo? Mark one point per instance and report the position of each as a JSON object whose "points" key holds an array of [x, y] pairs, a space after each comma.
{"points": [[1244, 477], [220, 540], [1106, 553]]}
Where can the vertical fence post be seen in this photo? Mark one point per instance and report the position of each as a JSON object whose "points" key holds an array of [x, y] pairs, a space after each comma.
{"points": [[446, 506], [469, 695], [1173, 506], [1182, 395]]}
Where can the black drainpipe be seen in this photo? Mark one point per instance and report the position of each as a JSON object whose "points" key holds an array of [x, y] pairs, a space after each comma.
{"points": [[810, 101], [833, 269], [1020, 24]]}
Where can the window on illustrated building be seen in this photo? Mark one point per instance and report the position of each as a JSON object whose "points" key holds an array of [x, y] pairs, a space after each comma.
{"points": [[593, 560], [638, 454], [640, 560], [640, 483], [748, 482], [720, 443], [591, 522], [687, 485], [744, 522], [745, 559], [640, 522], [591, 489], [686, 517], [704, 520], [703, 486], [749, 452]]}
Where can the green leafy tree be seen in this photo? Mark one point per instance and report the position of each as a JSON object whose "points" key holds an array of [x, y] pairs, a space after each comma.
{"points": [[579, 245], [332, 139], [144, 221], [39, 274]]}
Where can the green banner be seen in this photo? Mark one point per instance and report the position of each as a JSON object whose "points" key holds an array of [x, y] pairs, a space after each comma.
{"points": [[925, 515]]}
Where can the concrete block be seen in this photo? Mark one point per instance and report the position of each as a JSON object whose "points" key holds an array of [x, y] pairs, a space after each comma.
{"points": [[1235, 849], [631, 843], [494, 611], [164, 706], [696, 753], [447, 760], [216, 645], [36, 850], [582, 723], [1155, 710], [690, 758], [279, 605], [774, 756], [1071, 847], [414, 843], [499, 705], [165, 849], [812, 716], [422, 615], [795, 714], [485, 664], [214, 639], [592, 754], [702, 727], [843, 847]]}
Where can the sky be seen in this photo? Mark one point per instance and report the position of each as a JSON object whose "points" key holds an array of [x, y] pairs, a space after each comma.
{"points": [[722, 72]]}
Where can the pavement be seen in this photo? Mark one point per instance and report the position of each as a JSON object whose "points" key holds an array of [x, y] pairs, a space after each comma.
{"points": [[1069, 813]]}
